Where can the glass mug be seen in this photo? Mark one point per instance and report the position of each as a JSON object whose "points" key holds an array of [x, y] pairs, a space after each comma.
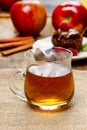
{"points": [[48, 82]]}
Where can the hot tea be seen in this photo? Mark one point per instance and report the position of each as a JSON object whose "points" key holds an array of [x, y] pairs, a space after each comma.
{"points": [[49, 84], [48, 81]]}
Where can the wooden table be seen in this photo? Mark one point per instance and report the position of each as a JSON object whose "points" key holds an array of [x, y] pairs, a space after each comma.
{"points": [[17, 115]]}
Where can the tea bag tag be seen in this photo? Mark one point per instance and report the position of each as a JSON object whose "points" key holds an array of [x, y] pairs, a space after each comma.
{"points": [[39, 55], [45, 55]]}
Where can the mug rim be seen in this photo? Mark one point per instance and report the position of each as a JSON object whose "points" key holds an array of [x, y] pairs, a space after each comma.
{"points": [[62, 48]]}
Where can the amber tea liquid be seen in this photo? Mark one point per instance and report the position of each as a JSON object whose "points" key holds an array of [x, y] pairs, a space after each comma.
{"points": [[49, 86]]}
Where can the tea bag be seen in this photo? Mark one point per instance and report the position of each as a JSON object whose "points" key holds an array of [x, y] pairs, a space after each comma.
{"points": [[39, 55], [51, 54], [55, 64], [44, 55]]}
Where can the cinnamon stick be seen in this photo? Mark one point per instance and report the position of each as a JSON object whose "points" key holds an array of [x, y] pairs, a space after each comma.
{"points": [[15, 39], [17, 49], [15, 44]]}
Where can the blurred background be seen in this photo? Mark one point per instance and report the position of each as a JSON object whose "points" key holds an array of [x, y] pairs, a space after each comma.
{"points": [[54, 2], [50, 4]]}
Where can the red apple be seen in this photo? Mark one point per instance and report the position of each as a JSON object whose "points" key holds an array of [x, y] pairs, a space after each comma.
{"points": [[28, 17], [68, 15], [6, 4]]}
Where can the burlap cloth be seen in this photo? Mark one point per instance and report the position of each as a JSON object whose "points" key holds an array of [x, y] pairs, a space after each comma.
{"points": [[16, 114]]}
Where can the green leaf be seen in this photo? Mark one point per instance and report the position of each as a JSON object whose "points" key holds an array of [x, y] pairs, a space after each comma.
{"points": [[84, 47]]}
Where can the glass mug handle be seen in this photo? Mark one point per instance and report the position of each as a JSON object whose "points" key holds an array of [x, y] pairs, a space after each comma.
{"points": [[13, 80]]}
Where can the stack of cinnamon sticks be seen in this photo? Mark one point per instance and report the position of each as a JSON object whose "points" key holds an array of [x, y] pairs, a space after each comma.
{"points": [[13, 45]]}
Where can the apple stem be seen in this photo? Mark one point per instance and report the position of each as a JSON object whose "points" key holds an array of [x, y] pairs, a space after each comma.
{"points": [[84, 31]]}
